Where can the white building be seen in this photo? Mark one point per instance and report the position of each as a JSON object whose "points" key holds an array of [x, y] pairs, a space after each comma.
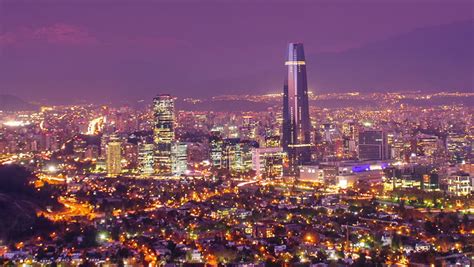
{"points": [[460, 184], [179, 158], [268, 161]]}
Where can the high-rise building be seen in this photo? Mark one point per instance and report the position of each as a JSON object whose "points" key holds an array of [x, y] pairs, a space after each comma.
{"points": [[268, 161], [179, 158], [399, 148], [114, 157], [104, 140], [373, 145], [163, 132], [350, 133], [458, 146], [237, 155], [216, 145], [426, 145], [146, 159], [296, 123], [130, 155], [249, 128]]}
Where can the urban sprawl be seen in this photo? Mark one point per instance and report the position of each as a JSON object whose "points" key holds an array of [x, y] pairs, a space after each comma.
{"points": [[294, 185]]}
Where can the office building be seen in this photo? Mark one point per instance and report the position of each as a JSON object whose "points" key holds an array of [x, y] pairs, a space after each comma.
{"points": [[459, 146], [296, 127], [460, 184], [146, 159], [163, 132], [373, 145], [268, 161], [426, 145], [216, 145], [114, 157], [179, 158], [237, 155], [249, 128]]}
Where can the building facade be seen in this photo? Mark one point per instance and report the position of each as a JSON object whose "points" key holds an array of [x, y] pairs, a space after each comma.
{"points": [[114, 157], [268, 161], [146, 159], [373, 145], [216, 145], [163, 132], [237, 155], [460, 184], [179, 158]]}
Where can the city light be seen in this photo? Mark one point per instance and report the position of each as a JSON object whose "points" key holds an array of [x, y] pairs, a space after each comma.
{"points": [[52, 169], [145, 135], [15, 123]]}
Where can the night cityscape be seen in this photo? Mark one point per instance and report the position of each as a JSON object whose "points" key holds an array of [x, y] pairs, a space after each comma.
{"points": [[207, 133]]}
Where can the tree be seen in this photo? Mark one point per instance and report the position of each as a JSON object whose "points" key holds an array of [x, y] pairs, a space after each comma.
{"points": [[431, 228], [19, 201], [321, 256], [225, 255], [89, 238]]}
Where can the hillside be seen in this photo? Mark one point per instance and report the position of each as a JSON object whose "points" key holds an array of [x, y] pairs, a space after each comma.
{"points": [[13, 103], [19, 202]]}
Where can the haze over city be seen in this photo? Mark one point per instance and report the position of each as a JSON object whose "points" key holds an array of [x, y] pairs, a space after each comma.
{"points": [[122, 51], [236, 133]]}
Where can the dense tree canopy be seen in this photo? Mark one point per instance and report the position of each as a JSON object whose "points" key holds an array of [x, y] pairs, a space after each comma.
{"points": [[19, 202]]}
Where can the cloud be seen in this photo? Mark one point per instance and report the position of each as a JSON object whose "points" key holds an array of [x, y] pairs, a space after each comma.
{"points": [[59, 34], [65, 34], [73, 35]]}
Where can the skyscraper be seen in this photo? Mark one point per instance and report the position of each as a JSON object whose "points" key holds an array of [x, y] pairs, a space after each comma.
{"points": [[179, 158], [163, 132], [268, 161], [145, 159], [114, 157], [216, 145], [237, 155], [296, 123]]}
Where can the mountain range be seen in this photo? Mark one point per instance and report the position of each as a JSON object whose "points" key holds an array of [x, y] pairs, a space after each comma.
{"points": [[431, 58], [435, 58], [14, 103]]}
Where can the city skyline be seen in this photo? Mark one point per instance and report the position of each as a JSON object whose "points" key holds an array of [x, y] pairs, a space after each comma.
{"points": [[76, 55], [236, 133]]}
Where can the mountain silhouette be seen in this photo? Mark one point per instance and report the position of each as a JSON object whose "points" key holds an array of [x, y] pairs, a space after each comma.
{"points": [[13, 103], [426, 59]]}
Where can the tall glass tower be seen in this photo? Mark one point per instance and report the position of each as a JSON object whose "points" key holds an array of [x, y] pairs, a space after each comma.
{"points": [[163, 132], [114, 157], [296, 123]]}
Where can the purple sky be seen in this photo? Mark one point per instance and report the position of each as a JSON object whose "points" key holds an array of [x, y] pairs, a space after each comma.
{"points": [[117, 50]]}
